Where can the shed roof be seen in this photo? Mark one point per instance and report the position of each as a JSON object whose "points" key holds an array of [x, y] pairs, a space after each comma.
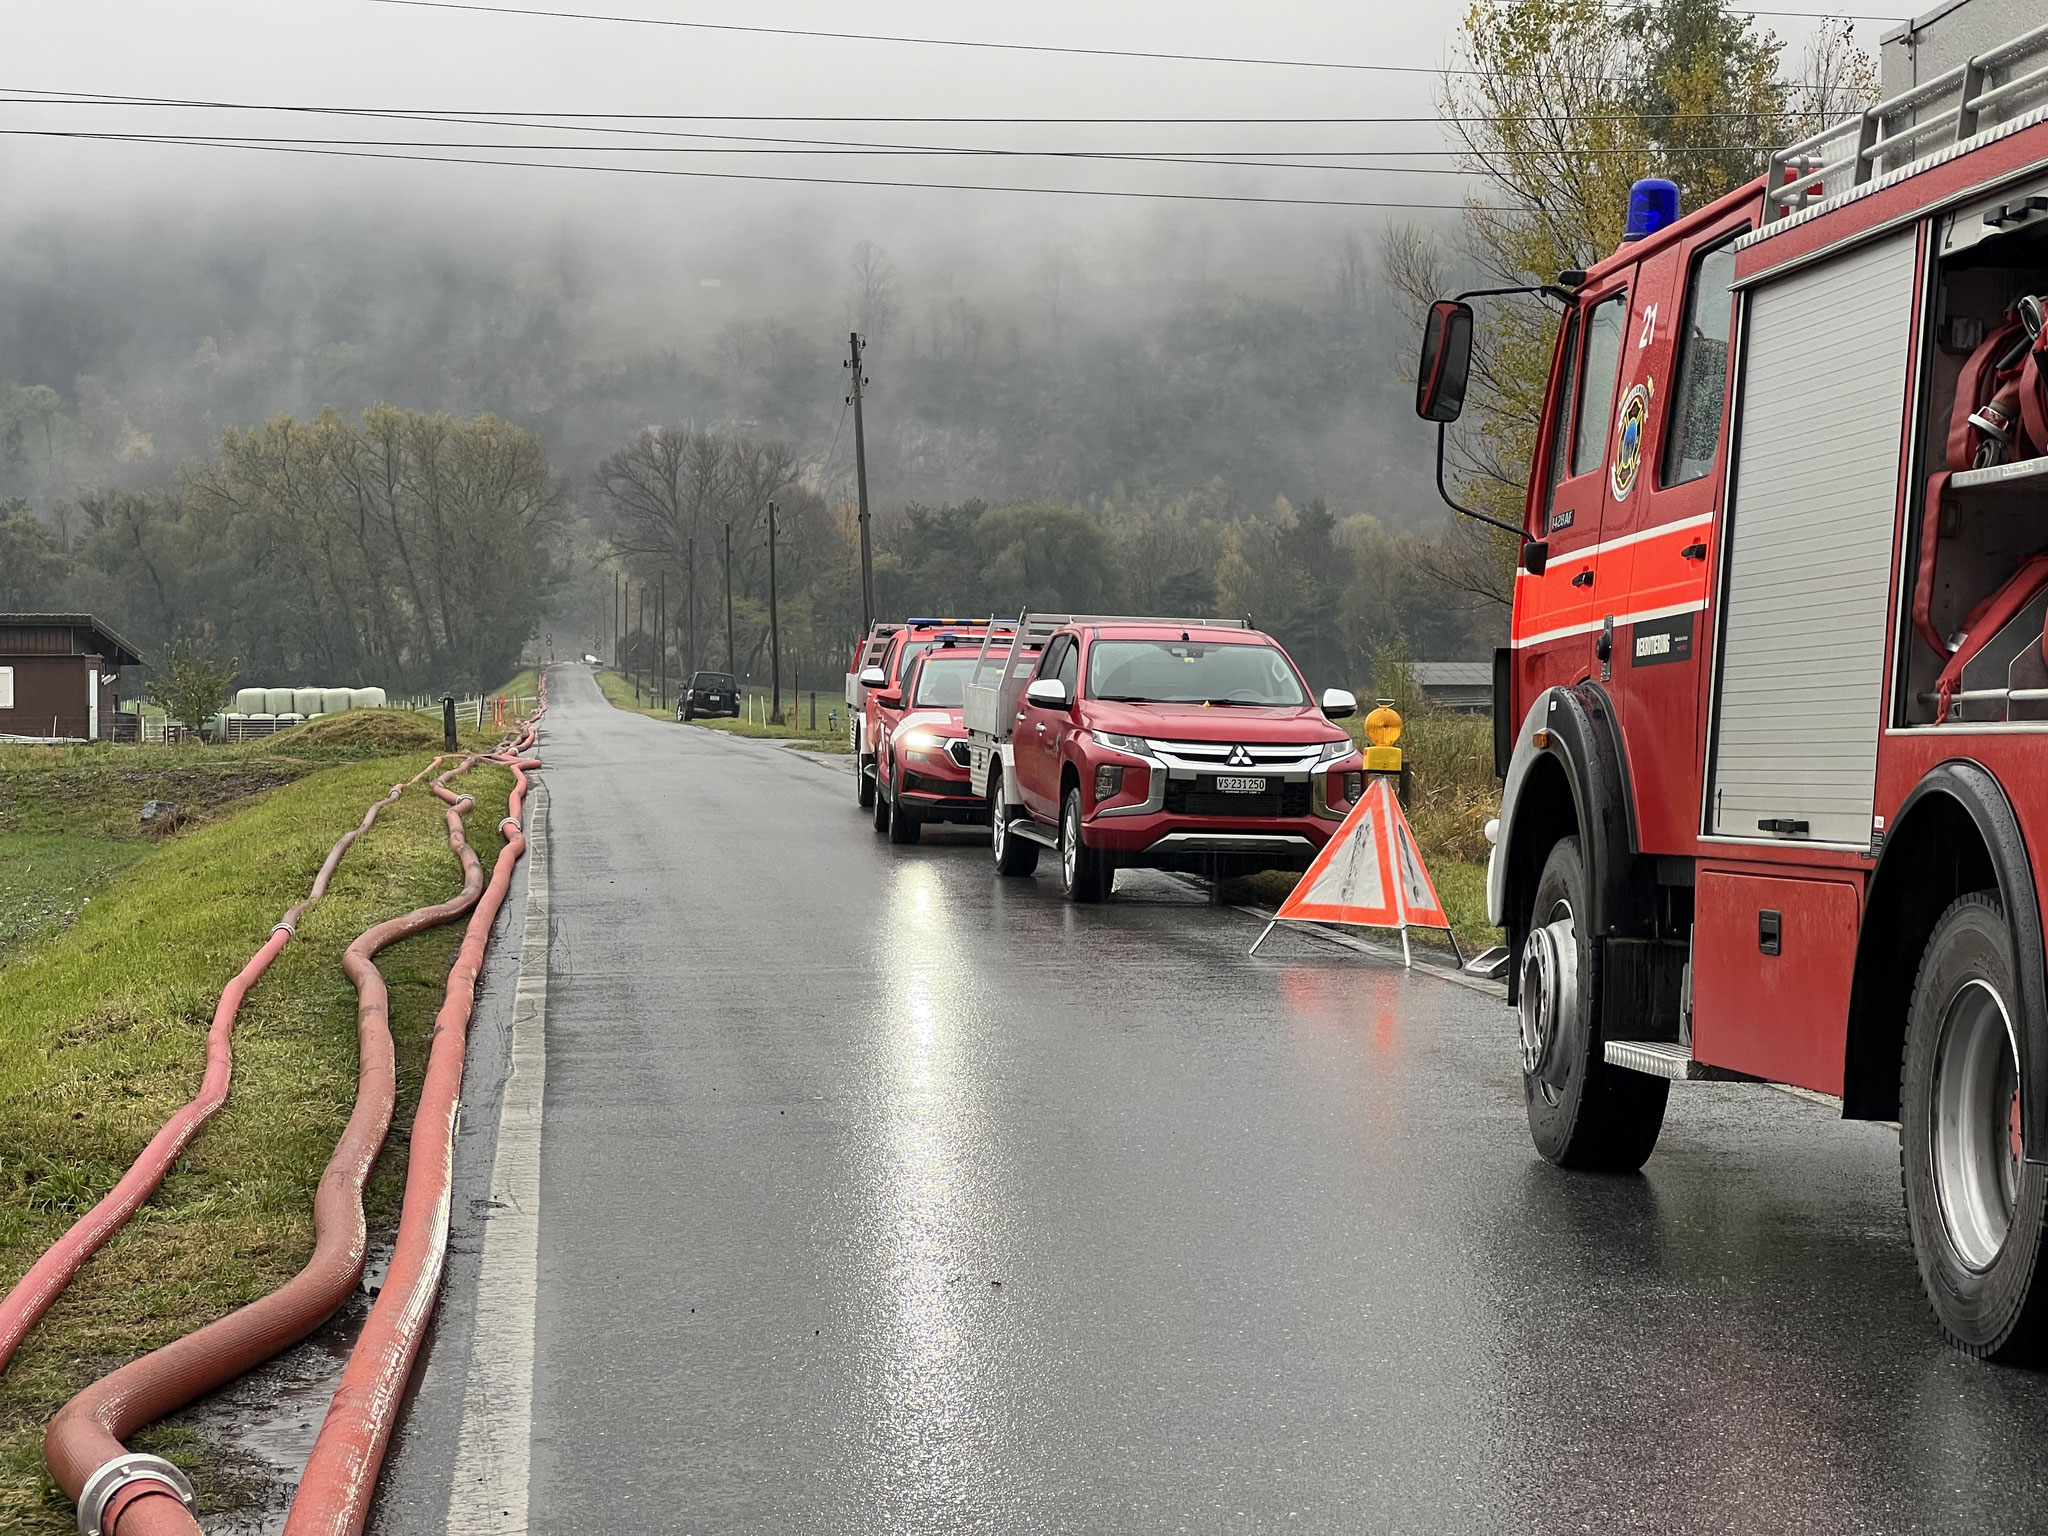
{"points": [[1453, 674], [113, 647]]}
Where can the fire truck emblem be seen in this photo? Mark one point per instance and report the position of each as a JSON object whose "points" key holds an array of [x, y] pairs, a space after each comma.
{"points": [[1628, 436]]}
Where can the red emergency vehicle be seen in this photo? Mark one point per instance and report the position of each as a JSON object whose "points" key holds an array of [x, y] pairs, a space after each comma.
{"points": [[921, 764], [873, 694], [1773, 724], [1187, 744]]}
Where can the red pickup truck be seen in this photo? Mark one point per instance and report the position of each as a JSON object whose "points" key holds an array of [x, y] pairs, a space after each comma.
{"points": [[1192, 745]]}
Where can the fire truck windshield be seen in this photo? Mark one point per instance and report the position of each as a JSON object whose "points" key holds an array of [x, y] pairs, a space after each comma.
{"points": [[943, 682], [1166, 672]]}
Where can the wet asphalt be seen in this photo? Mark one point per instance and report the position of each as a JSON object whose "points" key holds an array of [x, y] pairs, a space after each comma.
{"points": [[880, 1195]]}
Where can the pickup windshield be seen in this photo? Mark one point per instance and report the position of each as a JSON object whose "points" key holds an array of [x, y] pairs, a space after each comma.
{"points": [[1177, 672], [943, 682]]}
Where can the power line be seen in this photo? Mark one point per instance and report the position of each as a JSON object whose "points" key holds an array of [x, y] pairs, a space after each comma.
{"points": [[959, 42], [758, 176], [755, 145], [37, 95]]}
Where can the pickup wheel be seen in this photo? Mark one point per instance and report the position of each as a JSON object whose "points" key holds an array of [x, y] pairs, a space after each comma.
{"points": [[1975, 1205], [1014, 855], [1085, 873], [1582, 1112], [863, 779], [904, 826]]}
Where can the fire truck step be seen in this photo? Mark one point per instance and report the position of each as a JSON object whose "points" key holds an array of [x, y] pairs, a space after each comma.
{"points": [[1031, 831], [1665, 1058]]}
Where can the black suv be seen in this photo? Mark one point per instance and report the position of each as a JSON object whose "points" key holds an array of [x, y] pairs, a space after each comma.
{"points": [[709, 693]]}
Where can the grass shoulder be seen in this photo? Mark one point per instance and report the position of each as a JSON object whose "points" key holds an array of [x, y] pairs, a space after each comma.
{"points": [[103, 1019]]}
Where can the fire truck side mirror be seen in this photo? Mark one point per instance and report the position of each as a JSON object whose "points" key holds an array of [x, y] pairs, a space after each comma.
{"points": [[873, 677], [1536, 556], [1446, 363]]}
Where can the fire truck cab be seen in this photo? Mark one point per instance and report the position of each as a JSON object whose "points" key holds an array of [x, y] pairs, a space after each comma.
{"points": [[1773, 722]]}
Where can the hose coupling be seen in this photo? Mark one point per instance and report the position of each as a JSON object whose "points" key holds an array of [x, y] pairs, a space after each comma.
{"points": [[289, 930], [510, 824], [134, 1467]]}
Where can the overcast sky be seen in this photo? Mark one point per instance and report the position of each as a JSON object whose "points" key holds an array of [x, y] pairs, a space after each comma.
{"points": [[366, 53]]}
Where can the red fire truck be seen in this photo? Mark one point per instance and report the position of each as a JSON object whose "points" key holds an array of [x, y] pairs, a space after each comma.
{"points": [[1773, 724]]}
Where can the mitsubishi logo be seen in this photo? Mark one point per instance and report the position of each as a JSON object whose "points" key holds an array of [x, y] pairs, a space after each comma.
{"points": [[1240, 757]]}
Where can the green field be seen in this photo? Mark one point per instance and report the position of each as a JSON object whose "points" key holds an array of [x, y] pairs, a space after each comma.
{"points": [[104, 1004]]}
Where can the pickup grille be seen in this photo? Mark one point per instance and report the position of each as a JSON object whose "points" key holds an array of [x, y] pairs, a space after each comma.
{"points": [[1202, 798]]}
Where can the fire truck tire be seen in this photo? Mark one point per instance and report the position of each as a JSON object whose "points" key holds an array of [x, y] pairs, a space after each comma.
{"points": [[1085, 874], [863, 783], [904, 827], [1582, 1112], [1014, 855], [1977, 1210]]}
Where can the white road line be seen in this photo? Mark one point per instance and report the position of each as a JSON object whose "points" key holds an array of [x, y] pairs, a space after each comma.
{"points": [[494, 1445]]}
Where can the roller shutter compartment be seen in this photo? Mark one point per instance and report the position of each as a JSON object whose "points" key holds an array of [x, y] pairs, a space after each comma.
{"points": [[1809, 549]]}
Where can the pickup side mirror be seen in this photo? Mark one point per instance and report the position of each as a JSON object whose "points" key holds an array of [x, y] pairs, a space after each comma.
{"points": [[1337, 703], [873, 677], [1536, 556], [1446, 364], [1047, 693]]}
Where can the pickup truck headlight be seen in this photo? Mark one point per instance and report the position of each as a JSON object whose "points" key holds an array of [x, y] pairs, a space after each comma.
{"points": [[1337, 751], [1137, 746]]}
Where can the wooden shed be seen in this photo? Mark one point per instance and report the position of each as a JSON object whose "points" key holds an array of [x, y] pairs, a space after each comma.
{"points": [[60, 676]]}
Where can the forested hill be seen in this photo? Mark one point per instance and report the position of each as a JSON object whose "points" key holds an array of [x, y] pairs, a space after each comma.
{"points": [[126, 348]]}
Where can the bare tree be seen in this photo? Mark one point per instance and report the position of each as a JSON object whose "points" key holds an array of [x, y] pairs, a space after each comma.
{"points": [[873, 295]]}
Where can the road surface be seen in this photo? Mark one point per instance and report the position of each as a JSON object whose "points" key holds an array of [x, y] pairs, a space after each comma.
{"points": [[882, 1196]]}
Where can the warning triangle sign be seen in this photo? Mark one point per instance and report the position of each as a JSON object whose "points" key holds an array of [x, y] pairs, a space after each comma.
{"points": [[1370, 874]]}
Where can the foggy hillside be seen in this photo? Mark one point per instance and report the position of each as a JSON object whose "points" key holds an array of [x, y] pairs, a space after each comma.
{"points": [[1128, 358]]}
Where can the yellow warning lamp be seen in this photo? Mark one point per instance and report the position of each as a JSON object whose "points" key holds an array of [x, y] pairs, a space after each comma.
{"points": [[1382, 731]]}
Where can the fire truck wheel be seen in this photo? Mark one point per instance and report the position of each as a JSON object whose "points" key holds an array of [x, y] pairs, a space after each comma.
{"points": [[1975, 1206], [1014, 855], [1582, 1112], [904, 827], [1084, 871], [879, 801], [863, 783]]}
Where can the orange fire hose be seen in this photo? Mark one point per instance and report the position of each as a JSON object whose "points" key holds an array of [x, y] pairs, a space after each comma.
{"points": [[340, 1479], [144, 1495], [35, 1292]]}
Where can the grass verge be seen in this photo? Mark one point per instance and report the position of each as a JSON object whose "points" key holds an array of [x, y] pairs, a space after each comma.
{"points": [[102, 1037]]}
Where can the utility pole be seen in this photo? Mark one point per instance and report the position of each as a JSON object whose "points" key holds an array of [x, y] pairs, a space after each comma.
{"points": [[690, 651], [661, 641], [731, 663], [774, 627], [860, 467], [615, 620]]}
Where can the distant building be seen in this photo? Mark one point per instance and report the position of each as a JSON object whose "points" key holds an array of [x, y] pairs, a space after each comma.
{"points": [[1466, 686], [60, 676]]}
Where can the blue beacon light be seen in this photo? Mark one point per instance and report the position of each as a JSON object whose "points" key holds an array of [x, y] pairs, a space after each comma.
{"points": [[1652, 205]]}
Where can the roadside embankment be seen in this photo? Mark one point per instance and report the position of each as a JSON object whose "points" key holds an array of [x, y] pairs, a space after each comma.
{"points": [[102, 1036]]}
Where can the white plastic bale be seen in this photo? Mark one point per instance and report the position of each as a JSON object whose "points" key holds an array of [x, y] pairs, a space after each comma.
{"points": [[277, 701], [335, 700], [368, 698]]}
